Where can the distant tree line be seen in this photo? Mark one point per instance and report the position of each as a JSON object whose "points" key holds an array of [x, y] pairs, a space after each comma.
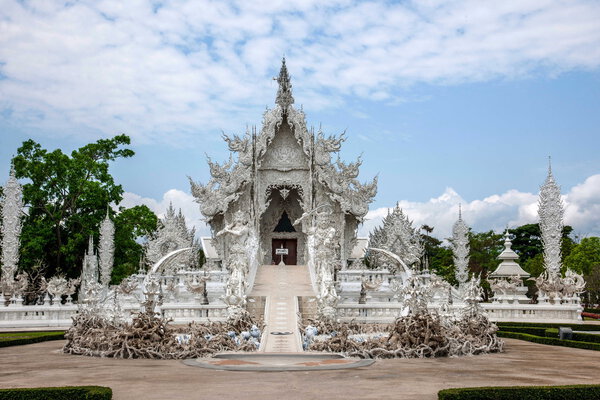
{"points": [[581, 256]]}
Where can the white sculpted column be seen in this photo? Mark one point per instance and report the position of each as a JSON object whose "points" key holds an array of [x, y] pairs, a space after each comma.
{"points": [[460, 249], [12, 208], [106, 250]]}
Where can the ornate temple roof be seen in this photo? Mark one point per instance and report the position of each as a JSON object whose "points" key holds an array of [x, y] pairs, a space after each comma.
{"points": [[171, 234], [229, 180]]}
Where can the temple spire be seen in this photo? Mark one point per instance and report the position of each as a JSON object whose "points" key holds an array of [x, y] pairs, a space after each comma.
{"points": [[460, 249], [551, 213], [284, 93]]}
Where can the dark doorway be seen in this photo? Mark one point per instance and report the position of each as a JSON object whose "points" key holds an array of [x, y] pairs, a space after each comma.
{"points": [[290, 244], [284, 224]]}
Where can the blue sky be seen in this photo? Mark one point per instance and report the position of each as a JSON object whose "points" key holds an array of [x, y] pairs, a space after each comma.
{"points": [[449, 102]]}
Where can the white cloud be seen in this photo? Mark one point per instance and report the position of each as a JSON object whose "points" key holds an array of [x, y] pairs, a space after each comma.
{"points": [[179, 199], [513, 208], [162, 72]]}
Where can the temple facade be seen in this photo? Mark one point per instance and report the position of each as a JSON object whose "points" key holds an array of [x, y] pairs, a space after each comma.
{"points": [[276, 184]]}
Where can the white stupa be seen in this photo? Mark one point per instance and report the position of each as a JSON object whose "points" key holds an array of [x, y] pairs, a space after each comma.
{"points": [[507, 280]]}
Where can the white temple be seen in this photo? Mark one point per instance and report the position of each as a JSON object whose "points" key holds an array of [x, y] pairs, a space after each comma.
{"points": [[283, 200]]}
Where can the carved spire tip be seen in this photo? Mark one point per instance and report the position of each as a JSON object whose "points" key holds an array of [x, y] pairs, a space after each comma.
{"points": [[284, 92]]}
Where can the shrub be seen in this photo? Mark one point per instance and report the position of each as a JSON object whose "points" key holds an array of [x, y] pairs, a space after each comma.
{"points": [[580, 392], [577, 327], [577, 336], [531, 330], [58, 393], [19, 338], [550, 340]]}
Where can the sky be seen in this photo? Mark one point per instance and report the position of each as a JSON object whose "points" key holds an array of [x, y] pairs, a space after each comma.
{"points": [[448, 102]]}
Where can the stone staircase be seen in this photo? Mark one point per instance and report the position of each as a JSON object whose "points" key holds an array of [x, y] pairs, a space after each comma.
{"points": [[281, 286]]}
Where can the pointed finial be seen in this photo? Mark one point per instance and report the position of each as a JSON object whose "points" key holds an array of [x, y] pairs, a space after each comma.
{"points": [[549, 165], [507, 236], [91, 245], [459, 211], [284, 93]]}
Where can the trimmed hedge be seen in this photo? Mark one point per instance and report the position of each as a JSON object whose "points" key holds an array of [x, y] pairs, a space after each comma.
{"points": [[19, 338], [580, 392], [58, 393], [577, 336], [531, 330], [575, 327], [550, 340]]}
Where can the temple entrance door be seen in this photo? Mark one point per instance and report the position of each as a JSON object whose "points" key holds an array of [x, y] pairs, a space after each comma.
{"points": [[290, 244]]}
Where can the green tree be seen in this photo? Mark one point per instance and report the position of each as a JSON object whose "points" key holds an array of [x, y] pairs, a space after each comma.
{"points": [[527, 242], [67, 197], [440, 256], [592, 285], [584, 256], [132, 226], [485, 248]]}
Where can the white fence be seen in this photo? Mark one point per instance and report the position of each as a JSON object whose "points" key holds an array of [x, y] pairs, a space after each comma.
{"points": [[61, 316]]}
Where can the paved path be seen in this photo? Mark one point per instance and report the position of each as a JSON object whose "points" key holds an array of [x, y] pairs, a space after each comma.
{"points": [[281, 285], [523, 363]]}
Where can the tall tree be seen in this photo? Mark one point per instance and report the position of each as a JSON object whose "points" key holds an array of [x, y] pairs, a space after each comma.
{"points": [[527, 243], [585, 256], [440, 256], [67, 197], [132, 225], [485, 248]]}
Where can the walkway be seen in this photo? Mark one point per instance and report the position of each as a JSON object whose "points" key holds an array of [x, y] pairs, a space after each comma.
{"points": [[524, 363], [281, 285]]}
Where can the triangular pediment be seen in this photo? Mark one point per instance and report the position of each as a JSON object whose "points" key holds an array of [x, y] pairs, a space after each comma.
{"points": [[284, 152]]}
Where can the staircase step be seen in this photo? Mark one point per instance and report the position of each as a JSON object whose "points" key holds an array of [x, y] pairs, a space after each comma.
{"points": [[281, 286]]}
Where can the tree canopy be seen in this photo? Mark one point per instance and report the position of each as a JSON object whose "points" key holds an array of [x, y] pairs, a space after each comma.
{"points": [[66, 198]]}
